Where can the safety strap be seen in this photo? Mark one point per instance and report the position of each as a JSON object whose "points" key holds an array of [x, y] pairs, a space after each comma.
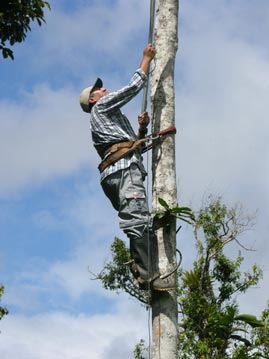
{"points": [[122, 149], [168, 131]]}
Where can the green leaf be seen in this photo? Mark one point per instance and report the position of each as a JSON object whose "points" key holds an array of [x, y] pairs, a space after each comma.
{"points": [[234, 330], [181, 209], [241, 339], [185, 220], [250, 320], [163, 203], [16, 18]]}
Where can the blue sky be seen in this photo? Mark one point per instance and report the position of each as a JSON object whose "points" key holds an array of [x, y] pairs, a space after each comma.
{"points": [[56, 223]]}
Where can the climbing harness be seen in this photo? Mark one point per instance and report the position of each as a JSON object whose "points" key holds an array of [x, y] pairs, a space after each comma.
{"points": [[119, 150]]}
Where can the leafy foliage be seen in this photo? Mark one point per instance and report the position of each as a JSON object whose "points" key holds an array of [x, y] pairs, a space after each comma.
{"points": [[116, 274], [140, 350], [211, 326], [15, 19], [3, 311], [164, 218], [260, 337]]}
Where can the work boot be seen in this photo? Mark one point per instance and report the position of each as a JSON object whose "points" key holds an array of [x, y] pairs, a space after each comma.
{"points": [[164, 284], [152, 283], [142, 268], [142, 250]]}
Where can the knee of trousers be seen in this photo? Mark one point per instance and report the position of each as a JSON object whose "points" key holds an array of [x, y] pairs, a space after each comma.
{"points": [[137, 229]]}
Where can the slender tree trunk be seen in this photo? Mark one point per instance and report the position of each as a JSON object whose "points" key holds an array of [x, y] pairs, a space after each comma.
{"points": [[164, 305]]}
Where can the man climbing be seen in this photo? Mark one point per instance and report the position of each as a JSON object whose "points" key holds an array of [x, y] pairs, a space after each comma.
{"points": [[122, 171]]}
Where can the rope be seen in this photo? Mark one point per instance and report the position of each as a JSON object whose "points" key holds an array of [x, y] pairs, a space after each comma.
{"points": [[150, 41], [149, 262], [143, 109]]}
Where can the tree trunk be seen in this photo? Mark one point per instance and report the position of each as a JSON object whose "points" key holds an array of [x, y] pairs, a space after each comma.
{"points": [[164, 304]]}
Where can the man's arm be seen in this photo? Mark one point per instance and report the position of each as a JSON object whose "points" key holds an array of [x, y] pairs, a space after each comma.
{"points": [[143, 119], [117, 99], [148, 55]]}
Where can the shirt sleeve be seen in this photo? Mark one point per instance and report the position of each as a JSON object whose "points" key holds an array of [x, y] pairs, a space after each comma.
{"points": [[115, 100]]}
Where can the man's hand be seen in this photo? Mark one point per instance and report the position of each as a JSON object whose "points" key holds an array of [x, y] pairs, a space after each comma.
{"points": [[149, 51], [143, 121], [148, 55]]}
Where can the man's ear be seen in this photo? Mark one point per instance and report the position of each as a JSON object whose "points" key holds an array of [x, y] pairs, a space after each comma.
{"points": [[92, 100]]}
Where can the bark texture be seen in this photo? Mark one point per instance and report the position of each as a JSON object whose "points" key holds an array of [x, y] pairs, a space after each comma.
{"points": [[164, 305]]}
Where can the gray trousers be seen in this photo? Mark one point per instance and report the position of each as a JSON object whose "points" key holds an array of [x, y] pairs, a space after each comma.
{"points": [[126, 191]]}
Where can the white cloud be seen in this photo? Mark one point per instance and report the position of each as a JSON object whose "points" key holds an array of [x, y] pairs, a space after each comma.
{"points": [[58, 335], [43, 132], [44, 136], [222, 110], [93, 35], [88, 215]]}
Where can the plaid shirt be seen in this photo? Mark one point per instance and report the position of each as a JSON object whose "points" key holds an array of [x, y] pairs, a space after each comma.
{"points": [[109, 125]]}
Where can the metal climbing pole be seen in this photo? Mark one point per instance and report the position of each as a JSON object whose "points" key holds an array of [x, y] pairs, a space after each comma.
{"points": [[150, 40]]}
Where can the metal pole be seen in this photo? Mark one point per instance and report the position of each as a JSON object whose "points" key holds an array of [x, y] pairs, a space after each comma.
{"points": [[150, 38]]}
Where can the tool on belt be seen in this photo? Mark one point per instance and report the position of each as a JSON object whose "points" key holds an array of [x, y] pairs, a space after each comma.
{"points": [[119, 150]]}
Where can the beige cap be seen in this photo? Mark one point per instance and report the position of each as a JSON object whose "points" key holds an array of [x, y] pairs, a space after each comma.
{"points": [[85, 95]]}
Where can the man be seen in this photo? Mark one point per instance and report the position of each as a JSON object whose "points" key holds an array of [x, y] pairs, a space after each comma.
{"points": [[122, 171]]}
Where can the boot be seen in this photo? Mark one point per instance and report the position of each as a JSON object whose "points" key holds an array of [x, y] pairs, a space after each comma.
{"points": [[164, 284], [142, 269], [142, 250]]}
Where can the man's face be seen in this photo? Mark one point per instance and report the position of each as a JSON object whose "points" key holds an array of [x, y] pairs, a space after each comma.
{"points": [[97, 93]]}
